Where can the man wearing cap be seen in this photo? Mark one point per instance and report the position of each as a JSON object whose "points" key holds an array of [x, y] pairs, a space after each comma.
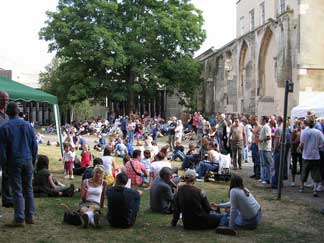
{"points": [[6, 190], [196, 211]]}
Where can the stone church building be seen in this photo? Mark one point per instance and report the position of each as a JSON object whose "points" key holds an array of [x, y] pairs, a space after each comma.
{"points": [[276, 40]]}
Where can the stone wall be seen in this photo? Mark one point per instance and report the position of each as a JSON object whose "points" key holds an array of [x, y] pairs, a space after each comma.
{"points": [[248, 74]]}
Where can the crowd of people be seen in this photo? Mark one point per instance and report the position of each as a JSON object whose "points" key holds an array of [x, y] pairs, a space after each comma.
{"points": [[218, 145]]}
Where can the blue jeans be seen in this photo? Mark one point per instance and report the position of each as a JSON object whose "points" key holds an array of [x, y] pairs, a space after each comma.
{"points": [[275, 176], [219, 137], [246, 154], [21, 174], [241, 222], [5, 187], [256, 159], [266, 162], [204, 166], [130, 136], [189, 161], [178, 154]]}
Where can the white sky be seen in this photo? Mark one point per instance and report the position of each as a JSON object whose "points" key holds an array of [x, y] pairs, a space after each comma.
{"points": [[23, 52]]}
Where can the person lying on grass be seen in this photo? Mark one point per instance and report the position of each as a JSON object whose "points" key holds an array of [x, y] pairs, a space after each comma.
{"points": [[45, 185], [245, 211], [93, 196]]}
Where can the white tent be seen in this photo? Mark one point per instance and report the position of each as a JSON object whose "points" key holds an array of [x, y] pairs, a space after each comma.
{"points": [[314, 104]]}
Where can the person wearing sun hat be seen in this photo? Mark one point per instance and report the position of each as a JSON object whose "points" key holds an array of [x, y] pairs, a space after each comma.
{"points": [[192, 203]]}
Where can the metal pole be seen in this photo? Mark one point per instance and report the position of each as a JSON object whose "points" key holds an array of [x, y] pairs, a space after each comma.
{"points": [[283, 141]]}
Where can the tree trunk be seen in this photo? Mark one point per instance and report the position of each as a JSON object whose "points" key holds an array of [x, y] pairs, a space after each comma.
{"points": [[130, 99]]}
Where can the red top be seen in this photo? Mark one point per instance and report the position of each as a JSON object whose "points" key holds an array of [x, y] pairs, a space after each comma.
{"points": [[139, 167], [85, 159], [195, 120]]}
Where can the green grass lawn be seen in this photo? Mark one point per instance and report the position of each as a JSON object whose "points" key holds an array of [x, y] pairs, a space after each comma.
{"points": [[283, 221]]}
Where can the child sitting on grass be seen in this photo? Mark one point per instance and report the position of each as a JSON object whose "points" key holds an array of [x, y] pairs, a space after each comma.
{"points": [[147, 163]]}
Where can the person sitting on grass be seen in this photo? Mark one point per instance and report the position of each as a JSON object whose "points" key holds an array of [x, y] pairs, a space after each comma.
{"points": [[93, 196], [123, 203], [85, 162], [108, 161], [212, 163], [88, 173], [121, 149], [245, 211], [146, 161], [161, 192], [159, 163], [192, 203], [192, 157], [178, 152], [135, 170], [44, 184]]}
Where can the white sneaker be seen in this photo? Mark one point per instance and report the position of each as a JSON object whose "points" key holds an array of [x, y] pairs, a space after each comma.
{"points": [[264, 182], [309, 185], [292, 184], [71, 177], [199, 180], [260, 180], [320, 188], [66, 177]]}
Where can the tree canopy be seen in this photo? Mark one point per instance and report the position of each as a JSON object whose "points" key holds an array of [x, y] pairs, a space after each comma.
{"points": [[122, 48]]}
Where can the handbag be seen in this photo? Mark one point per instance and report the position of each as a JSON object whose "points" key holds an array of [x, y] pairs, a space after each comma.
{"points": [[72, 217]]}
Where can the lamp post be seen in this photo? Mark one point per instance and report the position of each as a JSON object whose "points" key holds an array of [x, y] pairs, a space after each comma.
{"points": [[289, 88]]}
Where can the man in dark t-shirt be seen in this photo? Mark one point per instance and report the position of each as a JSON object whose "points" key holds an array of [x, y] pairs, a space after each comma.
{"points": [[123, 203], [171, 130]]}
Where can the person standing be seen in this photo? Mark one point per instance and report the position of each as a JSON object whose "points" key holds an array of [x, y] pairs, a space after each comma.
{"points": [[255, 149], [265, 150], [221, 133], [237, 134], [311, 140], [7, 200], [296, 156], [171, 130], [276, 153], [18, 152]]}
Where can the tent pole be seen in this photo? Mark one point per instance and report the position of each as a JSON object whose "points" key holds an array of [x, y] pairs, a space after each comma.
{"points": [[58, 126]]}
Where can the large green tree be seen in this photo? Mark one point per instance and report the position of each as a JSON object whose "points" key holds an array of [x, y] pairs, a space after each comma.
{"points": [[125, 48]]}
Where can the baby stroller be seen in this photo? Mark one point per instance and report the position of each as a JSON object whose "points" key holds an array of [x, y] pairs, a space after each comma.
{"points": [[223, 172]]}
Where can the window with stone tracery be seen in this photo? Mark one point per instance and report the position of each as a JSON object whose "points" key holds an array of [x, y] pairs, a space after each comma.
{"points": [[262, 13], [251, 14], [242, 26], [282, 6]]}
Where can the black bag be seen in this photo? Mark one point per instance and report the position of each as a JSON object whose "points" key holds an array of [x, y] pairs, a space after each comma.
{"points": [[72, 217]]}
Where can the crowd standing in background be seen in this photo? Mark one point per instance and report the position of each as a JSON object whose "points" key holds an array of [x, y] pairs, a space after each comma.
{"points": [[208, 149]]}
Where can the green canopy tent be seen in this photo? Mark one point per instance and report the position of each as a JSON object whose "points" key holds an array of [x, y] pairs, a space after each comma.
{"points": [[18, 91]]}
